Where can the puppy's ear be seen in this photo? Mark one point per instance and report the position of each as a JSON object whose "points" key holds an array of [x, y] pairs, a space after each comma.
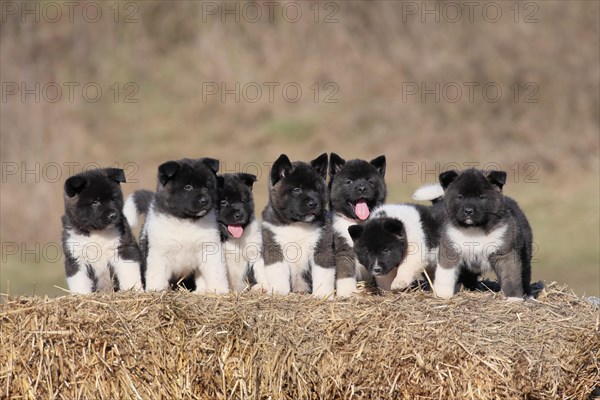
{"points": [[379, 164], [335, 164], [320, 164], [212, 164], [247, 179], [74, 185], [497, 178], [394, 227], [116, 174], [220, 182], [446, 178], [356, 232], [281, 168], [167, 171]]}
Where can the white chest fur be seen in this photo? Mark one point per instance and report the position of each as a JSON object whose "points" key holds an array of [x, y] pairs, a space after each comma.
{"points": [[179, 241], [241, 253], [298, 243], [97, 250], [475, 246]]}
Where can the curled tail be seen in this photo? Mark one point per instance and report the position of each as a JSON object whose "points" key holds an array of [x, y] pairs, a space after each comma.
{"points": [[137, 204], [433, 193]]}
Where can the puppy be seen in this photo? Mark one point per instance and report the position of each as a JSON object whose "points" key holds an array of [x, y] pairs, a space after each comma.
{"points": [[356, 187], [181, 235], [397, 244], [240, 232], [484, 230], [297, 240], [100, 251]]}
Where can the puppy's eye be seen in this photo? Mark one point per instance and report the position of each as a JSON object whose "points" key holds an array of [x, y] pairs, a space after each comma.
{"points": [[96, 202], [348, 182], [386, 251], [460, 197], [223, 203], [244, 201], [370, 181], [481, 197], [297, 191], [187, 188]]}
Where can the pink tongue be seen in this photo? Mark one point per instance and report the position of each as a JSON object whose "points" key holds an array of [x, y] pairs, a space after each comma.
{"points": [[235, 230], [361, 209]]}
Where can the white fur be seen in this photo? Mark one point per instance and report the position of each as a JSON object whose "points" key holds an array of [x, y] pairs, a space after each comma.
{"points": [[475, 246], [418, 254], [298, 242], [428, 192], [278, 275], [242, 253], [346, 287], [178, 247], [98, 250], [130, 211], [323, 281], [444, 285], [343, 287], [386, 282]]}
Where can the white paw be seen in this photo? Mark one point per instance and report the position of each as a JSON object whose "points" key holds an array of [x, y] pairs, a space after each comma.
{"points": [[444, 292], [262, 288], [515, 299], [322, 294], [346, 287], [400, 284]]}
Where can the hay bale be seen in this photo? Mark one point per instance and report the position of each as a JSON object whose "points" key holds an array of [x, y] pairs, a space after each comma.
{"points": [[409, 345]]}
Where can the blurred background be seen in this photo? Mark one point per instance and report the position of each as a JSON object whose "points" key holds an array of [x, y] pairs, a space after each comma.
{"points": [[432, 85]]}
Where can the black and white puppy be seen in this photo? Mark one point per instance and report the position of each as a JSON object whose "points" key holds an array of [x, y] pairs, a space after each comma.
{"points": [[297, 239], [356, 187], [240, 232], [100, 251], [484, 231], [181, 235], [397, 244]]}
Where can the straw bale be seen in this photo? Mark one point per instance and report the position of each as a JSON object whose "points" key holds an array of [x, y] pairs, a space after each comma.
{"points": [[173, 345]]}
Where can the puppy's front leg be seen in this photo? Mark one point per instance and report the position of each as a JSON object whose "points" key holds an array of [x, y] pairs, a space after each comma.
{"points": [[157, 272], [408, 272], [509, 270], [80, 282], [445, 281], [278, 276], [213, 269]]}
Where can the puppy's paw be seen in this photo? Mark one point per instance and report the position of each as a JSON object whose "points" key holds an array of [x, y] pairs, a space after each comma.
{"points": [[400, 284], [515, 299], [262, 288], [346, 287], [444, 292]]}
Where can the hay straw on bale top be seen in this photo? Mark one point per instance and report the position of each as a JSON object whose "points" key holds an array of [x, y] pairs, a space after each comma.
{"points": [[174, 345]]}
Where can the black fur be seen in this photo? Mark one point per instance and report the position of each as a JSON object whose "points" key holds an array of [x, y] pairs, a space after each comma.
{"points": [[94, 202], [474, 201], [380, 244], [187, 188], [236, 203], [297, 192], [354, 180]]}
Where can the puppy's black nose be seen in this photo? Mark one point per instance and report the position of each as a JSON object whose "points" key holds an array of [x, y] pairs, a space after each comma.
{"points": [[377, 269], [238, 216], [311, 203], [468, 211], [112, 216], [203, 201], [361, 189]]}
